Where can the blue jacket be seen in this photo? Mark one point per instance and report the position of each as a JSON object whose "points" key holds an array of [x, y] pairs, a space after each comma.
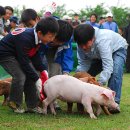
{"points": [[94, 24], [63, 55], [111, 26]]}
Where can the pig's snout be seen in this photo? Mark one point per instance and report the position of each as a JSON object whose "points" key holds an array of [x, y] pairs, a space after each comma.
{"points": [[114, 105]]}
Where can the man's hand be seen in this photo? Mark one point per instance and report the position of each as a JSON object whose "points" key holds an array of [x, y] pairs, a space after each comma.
{"points": [[44, 76]]}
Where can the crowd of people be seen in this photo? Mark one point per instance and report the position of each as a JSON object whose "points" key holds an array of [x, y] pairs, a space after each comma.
{"points": [[34, 49]]}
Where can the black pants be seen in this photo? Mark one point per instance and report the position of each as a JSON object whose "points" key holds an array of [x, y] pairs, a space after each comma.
{"points": [[128, 60], [20, 84], [95, 68]]}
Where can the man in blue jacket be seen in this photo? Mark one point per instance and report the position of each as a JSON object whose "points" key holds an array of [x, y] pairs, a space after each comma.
{"points": [[19, 50], [102, 50], [59, 52]]}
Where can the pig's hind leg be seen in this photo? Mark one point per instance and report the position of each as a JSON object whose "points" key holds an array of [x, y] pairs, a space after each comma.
{"points": [[87, 105]]}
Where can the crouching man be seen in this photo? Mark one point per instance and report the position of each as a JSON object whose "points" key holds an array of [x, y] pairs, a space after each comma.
{"points": [[101, 50]]}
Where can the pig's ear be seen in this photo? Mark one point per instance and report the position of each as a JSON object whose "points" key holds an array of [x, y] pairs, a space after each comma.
{"points": [[107, 94], [113, 93], [93, 78], [85, 79]]}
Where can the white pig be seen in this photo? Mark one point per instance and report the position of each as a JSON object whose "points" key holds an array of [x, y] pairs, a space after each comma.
{"points": [[71, 89]]}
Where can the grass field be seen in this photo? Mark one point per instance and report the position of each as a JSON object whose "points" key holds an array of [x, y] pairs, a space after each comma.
{"points": [[64, 121]]}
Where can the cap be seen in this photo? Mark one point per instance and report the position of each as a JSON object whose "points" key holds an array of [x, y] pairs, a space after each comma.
{"points": [[109, 15], [65, 17], [14, 19]]}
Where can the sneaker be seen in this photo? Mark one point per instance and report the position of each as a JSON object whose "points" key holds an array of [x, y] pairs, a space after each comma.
{"points": [[15, 107], [56, 106], [38, 110], [114, 111]]}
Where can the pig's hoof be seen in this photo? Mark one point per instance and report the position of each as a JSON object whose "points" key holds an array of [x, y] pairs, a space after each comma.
{"points": [[54, 113], [45, 112], [93, 116]]}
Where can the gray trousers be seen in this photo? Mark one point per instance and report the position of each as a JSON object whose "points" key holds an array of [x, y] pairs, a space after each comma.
{"points": [[53, 67], [20, 83]]}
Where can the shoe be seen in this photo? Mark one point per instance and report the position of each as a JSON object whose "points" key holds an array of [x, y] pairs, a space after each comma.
{"points": [[114, 111], [38, 110], [15, 107], [56, 106]]}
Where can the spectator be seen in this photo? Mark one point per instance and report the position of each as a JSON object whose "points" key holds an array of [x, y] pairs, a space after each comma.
{"points": [[13, 23], [2, 13], [93, 19], [102, 50], [68, 19], [110, 24], [127, 37], [76, 20], [101, 21], [121, 31], [9, 12]]}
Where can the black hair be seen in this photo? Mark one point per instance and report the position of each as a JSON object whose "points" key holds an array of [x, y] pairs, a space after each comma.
{"points": [[83, 33], [9, 8], [2, 11], [93, 14], [76, 14], [27, 15], [46, 25], [65, 31], [101, 18]]}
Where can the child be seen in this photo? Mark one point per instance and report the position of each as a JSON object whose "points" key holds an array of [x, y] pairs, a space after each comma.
{"points": [[18, 50], [13, 23], [102, 50], [29, 17], [59, 53]]}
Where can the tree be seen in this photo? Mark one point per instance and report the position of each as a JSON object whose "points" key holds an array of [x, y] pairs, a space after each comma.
{"points": [[119, 15], [99, 10], [60, 11]]}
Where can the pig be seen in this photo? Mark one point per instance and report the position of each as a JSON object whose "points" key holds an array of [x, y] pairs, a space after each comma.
{"points": [[85, 77], [5, 89], [71, 89]]}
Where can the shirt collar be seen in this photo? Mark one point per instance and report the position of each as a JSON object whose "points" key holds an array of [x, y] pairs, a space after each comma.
{"points": [[36, 37]]}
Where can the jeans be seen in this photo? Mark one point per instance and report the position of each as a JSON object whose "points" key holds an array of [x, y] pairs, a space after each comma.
{"points": [[115, 81], [20, 84]]}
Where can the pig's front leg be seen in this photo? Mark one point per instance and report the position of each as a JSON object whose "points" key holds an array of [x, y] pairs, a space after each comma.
{"points": [[45, 105], [52, 108], [87, 104]]}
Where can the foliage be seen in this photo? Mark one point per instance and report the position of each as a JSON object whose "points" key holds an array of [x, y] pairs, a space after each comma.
{"points": [[60, 11], [17, 11], [99, 10], [120, 15]]}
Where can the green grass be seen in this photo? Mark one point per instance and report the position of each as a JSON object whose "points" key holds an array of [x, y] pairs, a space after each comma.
{"points": [[64, 121]]}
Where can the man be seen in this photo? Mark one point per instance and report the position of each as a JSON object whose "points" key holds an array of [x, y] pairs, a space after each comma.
{"points": [[2, 13], [102, 50], [110, 24], [18, 53], [127, 37]]}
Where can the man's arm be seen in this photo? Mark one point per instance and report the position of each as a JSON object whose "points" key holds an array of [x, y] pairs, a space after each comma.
{"points": [[107, 61]]}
